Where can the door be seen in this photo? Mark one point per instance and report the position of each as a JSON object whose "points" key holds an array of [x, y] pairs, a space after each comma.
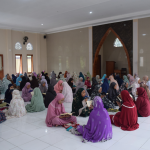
{"points": [[99, 65], [1, 67]]}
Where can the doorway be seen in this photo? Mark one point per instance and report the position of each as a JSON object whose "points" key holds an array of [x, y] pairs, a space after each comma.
{"points": [[1, 67]]}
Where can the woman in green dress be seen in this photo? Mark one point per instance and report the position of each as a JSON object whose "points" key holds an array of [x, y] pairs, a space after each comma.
{"points": [[79, 106], [37, 103]]}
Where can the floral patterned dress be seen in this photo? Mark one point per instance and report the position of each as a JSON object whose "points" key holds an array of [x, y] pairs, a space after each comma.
{"points": [[16, 107]]}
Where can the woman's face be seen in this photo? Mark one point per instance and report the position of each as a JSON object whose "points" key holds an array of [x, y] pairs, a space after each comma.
{"points": [[83, 93], [106, 76], [88, 79], [126, 85], [139, 81], [61, 84], [43, 84], [136, 92], [12, 87], [115, 87], [72, 81], [61, 101], [28, 86], [21, 76], [100, 90]]}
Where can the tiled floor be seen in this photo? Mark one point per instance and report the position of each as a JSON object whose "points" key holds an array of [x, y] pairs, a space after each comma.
{"points": [[31, 133]]}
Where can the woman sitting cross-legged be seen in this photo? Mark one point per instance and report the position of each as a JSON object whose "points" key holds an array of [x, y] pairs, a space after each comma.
{"points": [[37, 103], [8, 93], [55, 109], [127, 118], [26, 92], [98, 128], [79, 106]]}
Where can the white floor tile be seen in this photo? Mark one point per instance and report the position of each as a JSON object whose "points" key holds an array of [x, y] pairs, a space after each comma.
{"points": [[1, 139], [52, 148], [52, 138], [86, 146], [4, 128], [34, 145], [20, 139], [4, 145], [118, 135], [68, 144], [16, 148], [146, 145], [145, 126]]}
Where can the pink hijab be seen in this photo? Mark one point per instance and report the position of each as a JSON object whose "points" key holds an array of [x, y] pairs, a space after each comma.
{"points": [[131, 79], [54, 110], [113, 80], [58, 87]]}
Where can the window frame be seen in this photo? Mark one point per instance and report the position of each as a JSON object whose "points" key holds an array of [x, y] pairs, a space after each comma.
{"points": [[21, 64], [31, 63]]}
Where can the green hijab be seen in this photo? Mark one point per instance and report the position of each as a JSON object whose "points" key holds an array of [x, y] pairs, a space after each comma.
{"points": [[62, 78], [37, 103], [77, 102], [125, 79]]}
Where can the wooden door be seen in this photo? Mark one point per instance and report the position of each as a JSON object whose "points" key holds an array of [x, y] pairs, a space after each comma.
{"points": [[99, 66], [1, 67]]}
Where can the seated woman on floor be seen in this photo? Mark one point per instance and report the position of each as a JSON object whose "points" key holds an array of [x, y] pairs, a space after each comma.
{"points": [[18, 81], [43, 87], [125, 86], [58, 87], [67, 92], [98, 79], [88, 85], [37, 103], [26, 92], [23, 83], [55, 109], [142, 103], [79, 106], [8, 93], [135, 85], [119, 80], [34, 82], [70, 83], [50, 96], [16, 107], [111, 78], [131, 79], [127, 118], [98, 128]]}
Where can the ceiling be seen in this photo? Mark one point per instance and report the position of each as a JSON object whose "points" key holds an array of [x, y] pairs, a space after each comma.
{"points": [[62, 15]]}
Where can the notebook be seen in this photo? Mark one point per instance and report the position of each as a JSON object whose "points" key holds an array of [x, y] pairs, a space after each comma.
{"points": [[44, 93], [66, 114], [89, 103]]}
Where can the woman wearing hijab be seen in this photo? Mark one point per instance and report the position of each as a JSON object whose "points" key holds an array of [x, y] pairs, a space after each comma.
{"points": [[8, 93], [113, 80], [55, 109], [19, 79], [104, 76], [68, 76], [2, 117], [23, 83], [81, 75], [14, 78], [131, 79], [142, 103], [58, 87], [119, 80], [98, 128], [62, 78], [50, 95], [75, 78], [34, 74], [105, 86], [98, 79], [125, 86], [5, 84], [135, 85], [59, 75], [145, 79], [16, 107], [125, 79], [70, 83], [67, 92], [79, 106], [47, 78], [65, 75], [112, 92], [25, 75], [53, 79], [136, 76], [43, 79], [37, 103], [26, 92], [146, 89], [127, 118], [34, 82], [88, 83], [81, 85], [43, 87]]}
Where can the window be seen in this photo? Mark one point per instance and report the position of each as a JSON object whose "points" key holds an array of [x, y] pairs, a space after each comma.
{"points": [[30, 63], [29, 47], [18, 46], [18, 58], [117, 43]]}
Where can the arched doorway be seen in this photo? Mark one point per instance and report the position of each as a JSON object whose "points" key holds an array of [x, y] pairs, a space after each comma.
{"points": [[95, 70]]}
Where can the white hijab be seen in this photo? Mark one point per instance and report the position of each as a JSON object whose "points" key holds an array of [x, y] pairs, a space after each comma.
{"points": [[67, 92], [135, 85]]}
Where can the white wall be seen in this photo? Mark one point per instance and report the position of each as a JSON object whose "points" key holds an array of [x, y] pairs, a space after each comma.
{"points": [[8, 39]]}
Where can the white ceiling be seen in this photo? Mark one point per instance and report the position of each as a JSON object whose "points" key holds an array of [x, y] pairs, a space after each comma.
{"points": [[62, 15]]}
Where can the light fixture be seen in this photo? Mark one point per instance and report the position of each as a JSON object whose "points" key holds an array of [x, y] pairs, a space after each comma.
{"points": [[42, 24], [144, 34], [91, 12]]}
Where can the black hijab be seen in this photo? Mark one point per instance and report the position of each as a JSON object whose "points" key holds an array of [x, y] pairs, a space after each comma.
{"points": [[47, 78], [34, 82], [23, 83], [8, 94], [112, 93], [50, 95], [70, 83], [59, 74], [94, 83]]}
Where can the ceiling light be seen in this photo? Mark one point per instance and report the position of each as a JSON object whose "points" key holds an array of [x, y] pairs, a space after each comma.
{"points": [[42, 24], [144, 34], [90, 12]]}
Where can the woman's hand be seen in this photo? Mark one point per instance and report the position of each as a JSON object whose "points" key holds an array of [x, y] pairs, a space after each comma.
{"points": [[91, 107], [118, 103]]}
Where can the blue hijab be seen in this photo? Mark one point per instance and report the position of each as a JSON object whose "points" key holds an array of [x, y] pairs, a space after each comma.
{"points": [[105, 86], [19, 79], [81, 75], [103, 78], [14, 78], [119, 80]]}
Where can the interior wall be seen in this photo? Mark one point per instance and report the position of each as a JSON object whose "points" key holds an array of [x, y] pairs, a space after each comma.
{"points": [[8, 39], [144, 47], [69, 51], [111, 53]]}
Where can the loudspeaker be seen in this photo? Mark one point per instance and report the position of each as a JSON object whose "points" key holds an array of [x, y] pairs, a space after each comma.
{"points": [[44, 36]]}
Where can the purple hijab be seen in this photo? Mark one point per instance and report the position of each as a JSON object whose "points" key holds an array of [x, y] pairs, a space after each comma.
{"points": [[99, 126], [35, 74], [26, 95]]}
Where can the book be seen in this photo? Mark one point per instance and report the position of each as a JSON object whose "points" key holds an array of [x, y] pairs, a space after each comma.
{"points": [[66, 114], [32, 93], [119, 99], [44, 93], [89, 103]]}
